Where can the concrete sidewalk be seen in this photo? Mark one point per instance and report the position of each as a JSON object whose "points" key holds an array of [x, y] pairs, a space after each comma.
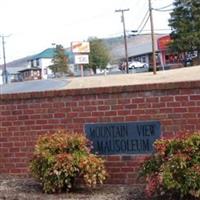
{"points": [[175, 75]]}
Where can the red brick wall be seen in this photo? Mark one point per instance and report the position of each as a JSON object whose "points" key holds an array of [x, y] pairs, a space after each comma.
{"points": [[25, 116]]}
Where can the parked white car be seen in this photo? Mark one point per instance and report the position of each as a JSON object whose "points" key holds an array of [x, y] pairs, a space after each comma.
{"points": [[136, 67]]}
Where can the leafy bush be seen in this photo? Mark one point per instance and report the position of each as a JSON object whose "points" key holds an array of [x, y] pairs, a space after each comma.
{"points": [[173, 171], [61, 158]]}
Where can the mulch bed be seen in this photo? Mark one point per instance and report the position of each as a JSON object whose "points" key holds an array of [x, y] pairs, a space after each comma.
{"points": [[14, 188]]}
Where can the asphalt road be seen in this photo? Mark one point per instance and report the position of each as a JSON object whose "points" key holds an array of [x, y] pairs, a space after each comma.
{"points": [[31, 86]]}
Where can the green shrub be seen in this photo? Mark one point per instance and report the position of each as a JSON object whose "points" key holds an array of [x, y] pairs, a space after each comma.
{"points": [[173, 171], [61, 158]]}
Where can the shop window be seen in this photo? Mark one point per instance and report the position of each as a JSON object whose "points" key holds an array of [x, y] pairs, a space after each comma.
{"points": [[32, 63], [37, 62], [143, 59]]}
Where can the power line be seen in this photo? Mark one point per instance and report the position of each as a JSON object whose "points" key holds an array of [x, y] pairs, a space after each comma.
{"points": [[139, 31], [146, 14], [168, 10], [159, 29], [161, 8]]}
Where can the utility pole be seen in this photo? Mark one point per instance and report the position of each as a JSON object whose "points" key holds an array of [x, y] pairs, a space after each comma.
{"points": [[152, 38], [5, 73], [125, 41]]}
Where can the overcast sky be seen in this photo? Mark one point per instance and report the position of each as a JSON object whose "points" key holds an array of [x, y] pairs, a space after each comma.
{"points": [[33, 25]]}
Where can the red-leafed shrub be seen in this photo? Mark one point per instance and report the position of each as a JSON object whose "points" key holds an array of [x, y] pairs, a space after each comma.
{"points": [[60, 158], [173, 171]]}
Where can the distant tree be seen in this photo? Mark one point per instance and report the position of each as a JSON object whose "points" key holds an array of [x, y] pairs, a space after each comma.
{"points": [[60, 61], [196, 21], [185, 24], [99, 55]]}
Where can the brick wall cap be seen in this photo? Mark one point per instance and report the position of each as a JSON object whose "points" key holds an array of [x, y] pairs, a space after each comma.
{"points": [[102, 90]]}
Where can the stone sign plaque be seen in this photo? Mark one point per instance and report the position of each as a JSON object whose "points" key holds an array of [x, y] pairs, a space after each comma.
{"points": [[123, 138]]}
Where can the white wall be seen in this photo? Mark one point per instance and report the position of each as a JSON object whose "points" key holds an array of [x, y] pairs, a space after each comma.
{"points": [[44, 63]]}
